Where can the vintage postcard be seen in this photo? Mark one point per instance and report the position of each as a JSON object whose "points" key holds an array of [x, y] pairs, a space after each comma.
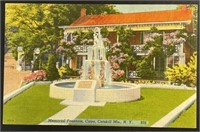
{"points": [[106, 65]]}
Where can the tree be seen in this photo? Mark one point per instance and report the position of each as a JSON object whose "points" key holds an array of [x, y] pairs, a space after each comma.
{"points": [[52, 71], [192, 37], [66, 49], [159, 47], [121, 55], [83, 38], [96, 9], [36, 25]]}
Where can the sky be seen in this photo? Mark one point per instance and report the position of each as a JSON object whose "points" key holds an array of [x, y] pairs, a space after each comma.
{"points": [[144, 7]]}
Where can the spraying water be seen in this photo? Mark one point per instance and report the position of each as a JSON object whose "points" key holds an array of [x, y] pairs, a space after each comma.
{"points": [[96, 67]]}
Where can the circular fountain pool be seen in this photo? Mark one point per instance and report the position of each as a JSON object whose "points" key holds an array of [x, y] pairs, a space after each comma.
{"points": [[72, 84], [116, 92]]}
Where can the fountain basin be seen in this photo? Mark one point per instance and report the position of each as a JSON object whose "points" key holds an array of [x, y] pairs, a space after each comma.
{"points": [[117, 92]]}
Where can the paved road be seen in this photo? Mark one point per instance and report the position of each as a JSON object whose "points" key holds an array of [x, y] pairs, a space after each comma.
{"points": [[12, 77]]}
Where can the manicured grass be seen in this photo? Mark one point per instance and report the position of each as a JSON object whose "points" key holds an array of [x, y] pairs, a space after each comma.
{"points": [[34, 106], [187, 119], [31, 107], [155, 104]]}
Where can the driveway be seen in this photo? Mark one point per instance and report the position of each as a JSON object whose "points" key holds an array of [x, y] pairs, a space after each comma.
{"points": [[12, 77]]}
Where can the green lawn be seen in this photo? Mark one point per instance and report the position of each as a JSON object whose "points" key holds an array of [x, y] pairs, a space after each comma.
{"points": [[34, 106], [155, 104], [31, 107], [187, 119]]}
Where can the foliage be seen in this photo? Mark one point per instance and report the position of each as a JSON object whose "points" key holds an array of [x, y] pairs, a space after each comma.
{"points": [[62, 71], [86, 37], [194, 8], [159, 75], [67, 71], [158, 47], [104, 32], [83, 38], [192, 38], [36, 65], [52, 71], [121, 54], [66, 48], [36, 25], [143, 81], [95, 9], [117, 73], [145, 69], [71, 72], [184, 74], [39, 75]]}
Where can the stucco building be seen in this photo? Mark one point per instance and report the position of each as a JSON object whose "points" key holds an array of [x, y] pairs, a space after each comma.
{"points": [[166, 21]]}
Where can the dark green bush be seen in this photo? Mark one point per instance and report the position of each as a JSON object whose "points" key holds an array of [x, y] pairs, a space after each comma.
{"points": [[36, 65], [71, 72], [52, 71]]}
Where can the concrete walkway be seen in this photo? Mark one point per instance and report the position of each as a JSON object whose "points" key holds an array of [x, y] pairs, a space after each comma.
{"points": [[62, 117]]}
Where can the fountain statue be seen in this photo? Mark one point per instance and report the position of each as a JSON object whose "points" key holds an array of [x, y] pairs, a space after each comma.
{"points": [[95, 84], [96, 67]]}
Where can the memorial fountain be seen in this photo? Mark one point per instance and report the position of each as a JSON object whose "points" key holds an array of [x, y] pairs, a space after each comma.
{"points": [[95, 84], [96, 67]]}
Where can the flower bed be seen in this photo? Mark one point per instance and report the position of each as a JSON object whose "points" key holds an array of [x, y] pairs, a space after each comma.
{"points": [[35, 76], [143, 81]]}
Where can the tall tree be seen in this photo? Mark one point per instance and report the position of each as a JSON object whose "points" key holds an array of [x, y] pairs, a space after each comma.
{"points": [[36, 25], [158, 47], [192, 40], [52, 71]]}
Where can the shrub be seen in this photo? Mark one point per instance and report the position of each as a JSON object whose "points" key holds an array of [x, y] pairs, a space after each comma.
{"points": [[52, 71], [177, 74], [62, 71], [36, 65], [35, 76], [67, 71], [159, 75], [184, 74], [117, 73], [121, 54], [145, 69]]}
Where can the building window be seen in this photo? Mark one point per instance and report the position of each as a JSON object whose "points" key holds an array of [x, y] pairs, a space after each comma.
{"points": [[176, 60], [141, 37], [79, 61], [69, 37]]}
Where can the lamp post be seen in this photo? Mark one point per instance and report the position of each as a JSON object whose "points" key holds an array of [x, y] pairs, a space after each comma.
{"points": [[65, 36], [36, 53], [20, 53], [69, 61], [35, 56], [177, 46], [165, 56]]}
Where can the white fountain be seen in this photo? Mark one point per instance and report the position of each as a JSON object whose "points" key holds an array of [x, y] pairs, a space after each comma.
{"points": [[95, 84], [96, 67]]}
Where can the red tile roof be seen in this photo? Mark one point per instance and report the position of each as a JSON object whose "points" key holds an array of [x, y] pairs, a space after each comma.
{"points": [[143, 17]]}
